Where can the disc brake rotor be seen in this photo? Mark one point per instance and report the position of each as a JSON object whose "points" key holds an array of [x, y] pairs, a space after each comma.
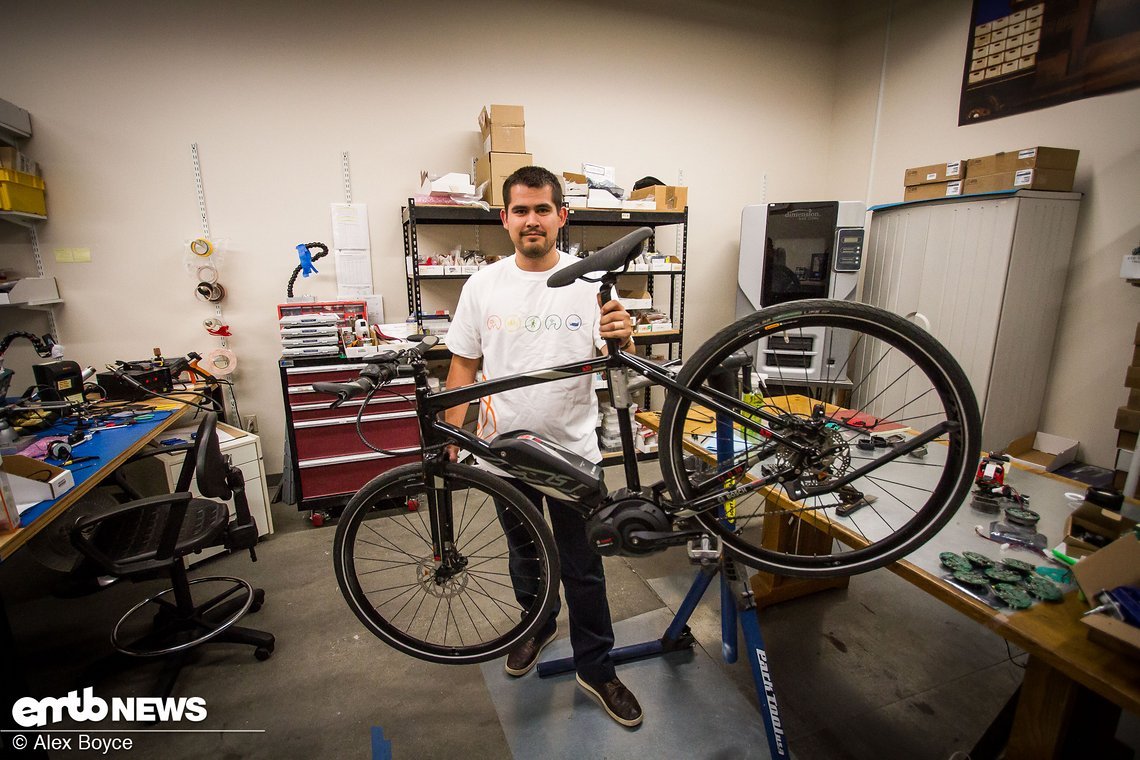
{"points": [[833, 462], [427, 572]]}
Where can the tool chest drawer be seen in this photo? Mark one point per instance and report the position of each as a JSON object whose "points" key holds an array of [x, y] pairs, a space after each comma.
{"points": [[328, 460]]}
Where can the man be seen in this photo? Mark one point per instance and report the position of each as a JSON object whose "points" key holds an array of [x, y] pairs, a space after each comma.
{"points": [[510, 320]]}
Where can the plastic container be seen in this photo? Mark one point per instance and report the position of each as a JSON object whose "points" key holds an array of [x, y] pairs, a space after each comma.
{"points": [[22, 192]]}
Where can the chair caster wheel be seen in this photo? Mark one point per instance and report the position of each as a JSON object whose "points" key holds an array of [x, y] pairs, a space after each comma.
{"points": [[263, 653], [318, 517]]}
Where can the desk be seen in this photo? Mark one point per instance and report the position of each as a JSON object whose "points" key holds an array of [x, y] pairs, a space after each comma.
{"points": [[113, 446], [1071, 684]]}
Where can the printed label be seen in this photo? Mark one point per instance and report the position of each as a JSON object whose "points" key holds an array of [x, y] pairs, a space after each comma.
{"points": [[1027, 153], [954, 188], [931, 176], [953, 168], [1022, 177]]}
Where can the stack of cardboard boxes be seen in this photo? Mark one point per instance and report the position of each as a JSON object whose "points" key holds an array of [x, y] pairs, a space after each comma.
{"points": [[1038, 168], [1128, 417], [504, 148]]}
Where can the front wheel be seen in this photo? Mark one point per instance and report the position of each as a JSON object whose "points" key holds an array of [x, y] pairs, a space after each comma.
{"points": [[847, 387], [429, 571]]}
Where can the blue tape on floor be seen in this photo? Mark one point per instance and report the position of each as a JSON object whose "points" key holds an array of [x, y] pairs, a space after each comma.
{"points": [[381, 747]]}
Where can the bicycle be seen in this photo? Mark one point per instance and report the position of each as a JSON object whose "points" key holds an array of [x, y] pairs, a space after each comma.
{"points": [[421, 552]]}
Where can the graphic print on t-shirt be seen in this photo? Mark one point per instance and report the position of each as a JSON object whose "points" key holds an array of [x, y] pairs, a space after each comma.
{"points": [[534, 322]]}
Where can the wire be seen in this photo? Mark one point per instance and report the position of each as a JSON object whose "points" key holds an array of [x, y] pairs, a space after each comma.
{"points": [[297, 271], [214, 405]]}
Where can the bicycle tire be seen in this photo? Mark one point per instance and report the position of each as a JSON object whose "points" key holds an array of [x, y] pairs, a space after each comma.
{"points": [[873, 536], [387, 569]]}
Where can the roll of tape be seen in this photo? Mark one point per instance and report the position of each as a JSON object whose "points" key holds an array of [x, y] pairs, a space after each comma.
{"points": [[201, 247], [207, 273], [210, 291], [219, 362]]}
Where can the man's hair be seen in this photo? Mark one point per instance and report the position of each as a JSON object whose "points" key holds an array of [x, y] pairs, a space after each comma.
{"points": [[536, 178]]}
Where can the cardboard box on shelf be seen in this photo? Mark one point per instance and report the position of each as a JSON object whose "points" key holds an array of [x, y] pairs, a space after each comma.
{"points": [[494, 168], [503, 129], [1042, 452], [1125, 440], [14, 160], [1127, 419], [1132, 377], [932, 190], [602, 199], [1116, 565], [1090, 521], [635, 299], [923, 175], [1022, 179], [666, 197], [1027, 158]]}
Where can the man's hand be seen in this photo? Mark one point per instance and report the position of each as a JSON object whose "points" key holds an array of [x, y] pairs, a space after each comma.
{"points": [[617, 324], [452, 452]]}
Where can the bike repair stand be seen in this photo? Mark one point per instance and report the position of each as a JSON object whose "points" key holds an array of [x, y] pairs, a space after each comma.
{"points": [[737, 605]]}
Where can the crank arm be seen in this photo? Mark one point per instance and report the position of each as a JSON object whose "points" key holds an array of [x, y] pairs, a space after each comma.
{"points": [[651, 539]]}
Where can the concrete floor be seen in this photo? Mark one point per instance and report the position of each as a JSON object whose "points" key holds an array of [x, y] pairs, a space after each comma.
{"points": [[879, 670]]}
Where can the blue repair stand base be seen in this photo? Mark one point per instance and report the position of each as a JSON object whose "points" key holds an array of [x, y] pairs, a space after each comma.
{"points": [[737, 605]]}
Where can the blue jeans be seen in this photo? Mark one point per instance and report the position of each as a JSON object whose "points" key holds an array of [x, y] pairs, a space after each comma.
{"points": [[583, 582]]}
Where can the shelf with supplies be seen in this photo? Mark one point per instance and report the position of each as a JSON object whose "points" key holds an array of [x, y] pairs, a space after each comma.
{"points": [[415, 214]]}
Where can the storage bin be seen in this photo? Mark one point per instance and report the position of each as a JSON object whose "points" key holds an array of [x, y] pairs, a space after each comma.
{"points": [[22, 192]]}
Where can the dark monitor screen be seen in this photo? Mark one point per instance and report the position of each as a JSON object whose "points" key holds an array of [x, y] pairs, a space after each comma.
{"points": [[797, 252]]}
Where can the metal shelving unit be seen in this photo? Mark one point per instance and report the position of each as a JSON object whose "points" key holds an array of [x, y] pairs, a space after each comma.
{"points": [[415, 214]]}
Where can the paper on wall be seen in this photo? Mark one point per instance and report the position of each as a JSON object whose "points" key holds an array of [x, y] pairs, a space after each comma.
{"points": [[350, 226], [353, 274]]}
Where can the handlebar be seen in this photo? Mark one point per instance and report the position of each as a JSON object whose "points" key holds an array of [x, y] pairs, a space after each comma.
{"points": [[378, 371]]}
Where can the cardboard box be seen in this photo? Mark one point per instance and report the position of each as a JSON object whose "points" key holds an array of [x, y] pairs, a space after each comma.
{"points": [[1114, 565], [923, 175], [932, 190], [494, 168], [1022, 179], [1096, 520], [666, 197], [1042, 452], [14, 160], [1132, 377], [33, 481], [1026, 158], [602, 199], [635, 299], [1127, 419], [503, 129]]}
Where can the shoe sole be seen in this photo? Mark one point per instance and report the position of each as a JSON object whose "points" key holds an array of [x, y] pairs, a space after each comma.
{"points": [[598, 697], [516, 673]]}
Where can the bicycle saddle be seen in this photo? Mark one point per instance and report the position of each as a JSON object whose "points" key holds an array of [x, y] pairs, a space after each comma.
{"points": [[614, 256]]}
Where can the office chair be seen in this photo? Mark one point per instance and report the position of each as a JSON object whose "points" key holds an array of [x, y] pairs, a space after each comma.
{"points": [[151, 537]]}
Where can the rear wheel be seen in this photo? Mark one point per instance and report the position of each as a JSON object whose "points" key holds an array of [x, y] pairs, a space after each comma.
{"points": [[457, 600], [848, 385]]}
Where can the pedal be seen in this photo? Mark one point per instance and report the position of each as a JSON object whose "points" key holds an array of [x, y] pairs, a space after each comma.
{"points": [[705, 548]]}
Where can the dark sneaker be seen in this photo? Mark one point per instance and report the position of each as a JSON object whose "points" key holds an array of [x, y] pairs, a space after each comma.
{"points": [[524, 656], [618, 701]]}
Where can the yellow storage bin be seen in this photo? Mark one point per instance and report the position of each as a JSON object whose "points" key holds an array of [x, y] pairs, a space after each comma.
{"points": [[22, 192]]}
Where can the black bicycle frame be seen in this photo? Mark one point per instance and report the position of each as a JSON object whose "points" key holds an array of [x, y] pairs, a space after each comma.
{"points": [[435, 433]]}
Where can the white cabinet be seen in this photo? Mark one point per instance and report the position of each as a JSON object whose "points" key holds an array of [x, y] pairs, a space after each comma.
{"points": [[159, 474], [988, 273]]}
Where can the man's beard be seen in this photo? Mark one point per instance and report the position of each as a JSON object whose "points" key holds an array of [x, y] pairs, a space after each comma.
{"points": [[535, 250]]}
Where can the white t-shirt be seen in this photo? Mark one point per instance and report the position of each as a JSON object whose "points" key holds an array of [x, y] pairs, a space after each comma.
{"points": [[517, 324]]}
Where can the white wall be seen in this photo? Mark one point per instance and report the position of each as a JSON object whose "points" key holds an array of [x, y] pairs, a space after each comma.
{"points": [[272, 93], [926, 44]]}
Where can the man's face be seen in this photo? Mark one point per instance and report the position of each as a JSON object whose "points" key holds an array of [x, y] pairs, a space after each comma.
{"points": [[532, 220]]}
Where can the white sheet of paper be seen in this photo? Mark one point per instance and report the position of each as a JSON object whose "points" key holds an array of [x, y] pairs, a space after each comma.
{"points": [[350, 226], [353, 274]]}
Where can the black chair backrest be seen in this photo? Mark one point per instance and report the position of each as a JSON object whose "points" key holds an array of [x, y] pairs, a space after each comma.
{"points": [[211, 471]]}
